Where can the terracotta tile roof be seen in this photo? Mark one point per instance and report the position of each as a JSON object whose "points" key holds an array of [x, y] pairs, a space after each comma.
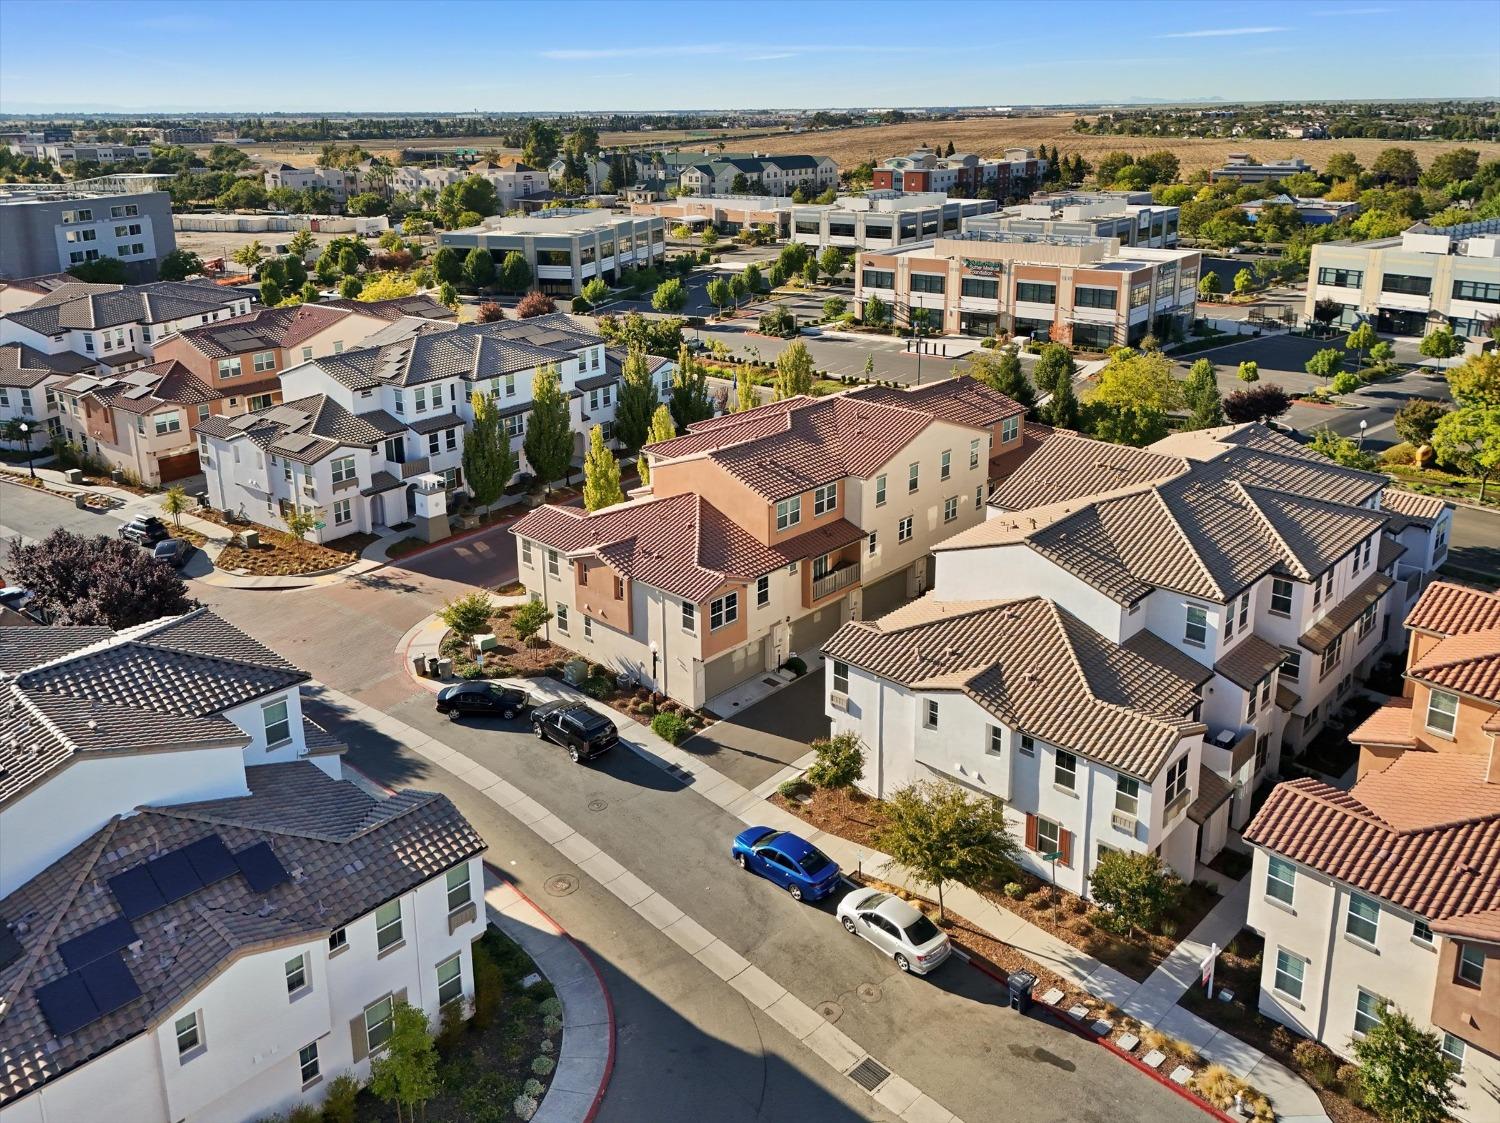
{"points": [[1422, 510], [146, 389], [263, 329], [1343, 616], [1250, 661], [728, 429], [1424, 834], [1037, 669], [1468, 663], [1389, 725], [346, 853], [963, 400], [1069, 466], [1446, 609]]}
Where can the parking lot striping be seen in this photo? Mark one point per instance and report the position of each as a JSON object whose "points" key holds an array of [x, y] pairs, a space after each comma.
{"points": [[754, 985]]}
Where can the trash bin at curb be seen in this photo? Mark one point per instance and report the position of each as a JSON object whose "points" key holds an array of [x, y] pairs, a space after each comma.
{"points": [[432, 666], [419, 664], [81, 501], [1020, 984]]}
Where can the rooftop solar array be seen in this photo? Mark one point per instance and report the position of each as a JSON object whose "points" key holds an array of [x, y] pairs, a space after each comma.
{"points": [[262, 869], [86, 995], [10, 947], [96, 943], [172, 876]]}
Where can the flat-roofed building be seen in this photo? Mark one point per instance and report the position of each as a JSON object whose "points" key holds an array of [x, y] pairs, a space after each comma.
{"points": [[1130, 216], [1241, 168], [884, 219], [45, 228], [728, 214], [567, 247]]}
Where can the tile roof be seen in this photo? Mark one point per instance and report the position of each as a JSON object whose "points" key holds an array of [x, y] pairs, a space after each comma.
{"points": [[1420, 510], [1004, 464], [22, 367], [65, 691], [1250, 661], [1389, 725], [346, 852], [88, 307], [1468, 663], [1342, 616], [306, 429], [1446, 609], [1213, 791], [146, 389], [614, 362], [1424, 834], [1070, 466], [963, 400], [420, 305], [1038, 669], [262, 329]]}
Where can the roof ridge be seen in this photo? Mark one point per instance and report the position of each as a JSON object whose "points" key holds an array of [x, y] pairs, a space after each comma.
{"points": [[1156, 491], [1265, 520], [1059, 615]]}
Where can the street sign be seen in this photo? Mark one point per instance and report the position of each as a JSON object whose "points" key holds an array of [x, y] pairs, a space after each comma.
{"points": [[1206, 968], [1052, 856]]}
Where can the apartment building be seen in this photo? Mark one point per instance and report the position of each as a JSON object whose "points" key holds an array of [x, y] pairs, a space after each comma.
{"points": [[1386, 894], [763, 531], [1241, 168], [512, 183], [1427, 277], [1131, 217], [47, 228], [1089, 292], [765, 175], [357, 431], [71, 152], [343, 182], [28, 391], [884, 219], [199, 917], [567, 247], [1017, 172]]}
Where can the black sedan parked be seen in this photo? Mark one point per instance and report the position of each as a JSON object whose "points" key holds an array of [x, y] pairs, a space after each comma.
{"points": [[584, 733], [482, 699], [175, 551]]}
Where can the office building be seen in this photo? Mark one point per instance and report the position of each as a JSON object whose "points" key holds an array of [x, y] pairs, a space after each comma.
{"points": [[49, 229], [567, 247]]}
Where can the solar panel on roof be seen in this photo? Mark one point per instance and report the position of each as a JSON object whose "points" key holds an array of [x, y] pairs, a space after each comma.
{"points": [[262, 869], [10, 947], [110, 984], [66, 1004], [211, 859], [174, 876], [136, 892], [96, 943]]}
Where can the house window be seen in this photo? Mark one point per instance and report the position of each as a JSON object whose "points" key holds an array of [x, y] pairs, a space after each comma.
{"points": [[1470, 965], [825, 499], [1421, 932], [388, 925], [725, 610], [1065, 770], [841, 676], [552, 563], [168, 423], [763, 590], [450, 439], [450, 977], [788, 512], [1281, 880], [338, 940], [525, 551], [945, 465], [974, 454], [1442, 712], [561, 614], [343, 469], [950, 509], [1291, 664], [903, 530], [979, 497], [1366, 621], [930, 718], [1028, 745], [306, 354], [588, 627], [263, 361], [619, 587], [1331, 656], [1176, 781], [1048, 836], [1250, 703], [433, 444], [1289, 972], [1127, 796], [378, 1019], [996, 746], [228, 368], [1453, 1050], [307, 1059], [1010, 428], [880, 491], [1262, 751], [278, 722], [189, 1030], [399, 400], [296, 973], [419, 399], [1196, 630], [1363, 918], [1367, 1008], [457, 881], [689, 616], [913, 477]]}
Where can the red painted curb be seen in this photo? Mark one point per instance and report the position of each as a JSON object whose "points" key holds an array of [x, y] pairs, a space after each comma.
{"points": [[609, 1002], [1067, 1021]]}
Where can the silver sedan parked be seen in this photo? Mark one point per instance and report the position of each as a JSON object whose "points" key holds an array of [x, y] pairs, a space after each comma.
{"points": [[896, 928]]}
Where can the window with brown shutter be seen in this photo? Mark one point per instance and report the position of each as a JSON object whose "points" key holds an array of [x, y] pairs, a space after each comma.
{"points": [[357, 1038], [1065, 844], [1030, 832]]}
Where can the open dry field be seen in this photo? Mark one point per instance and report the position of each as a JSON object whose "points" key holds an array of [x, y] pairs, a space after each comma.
{"points": [[987, 136]]}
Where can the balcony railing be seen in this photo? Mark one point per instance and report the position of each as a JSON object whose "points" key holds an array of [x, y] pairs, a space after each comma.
{"points": [[416, 467], [834, 580]]}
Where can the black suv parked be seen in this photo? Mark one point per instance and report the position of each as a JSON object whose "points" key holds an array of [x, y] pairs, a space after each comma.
{"points": [[584, 733], [145, 530]]}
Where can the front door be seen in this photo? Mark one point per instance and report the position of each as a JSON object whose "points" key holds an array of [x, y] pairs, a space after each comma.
{"points": [[377, 511]]}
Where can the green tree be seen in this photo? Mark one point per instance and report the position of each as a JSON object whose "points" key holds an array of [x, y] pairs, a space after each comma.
{"points": [[270, 293], [388, 286], [549, 435], [365, 203], [601, 474], [349, 288], [1001, 371], [447, 296], [869, 367], [1417, 419], [738, 289], [1209, 285], [832, 261], [468, 615], [794, 372], [405, 1074], [596, 292], [249, 254], [179, 264], [1440, 343], [876, 312], [1201, 392], [175, 502], [834, 307], [1244, 281], [718, 293], [638, 399], [1476, 381], [1382, 354], [1134, 890], [744, 390], [810, 271], [1346, 382], [1404, 1076], [301, 243], [689, 400], [479, 267], [753, 279], [1469, 439], [300, 521], [1396, 165], [1139, 380], [243, 195], [1053, 363], [669, 296], [839, 763], [1249, 371], [1342, 165], [941, 833], [489, 462], [515, 273], [528, 620], [1062, 410], [1341, 450], [1325, 364], [663, 426], [1360, 340], [349, 261], [310, 293]]}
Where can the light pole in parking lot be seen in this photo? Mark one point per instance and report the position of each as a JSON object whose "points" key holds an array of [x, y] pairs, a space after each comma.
{"points": [[1363, 425]]}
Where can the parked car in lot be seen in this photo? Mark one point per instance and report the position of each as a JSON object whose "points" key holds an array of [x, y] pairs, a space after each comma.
{"points": [[483, 699], [174, 551], [896, 928], [584, 733], [144, 530], [792, 862]]}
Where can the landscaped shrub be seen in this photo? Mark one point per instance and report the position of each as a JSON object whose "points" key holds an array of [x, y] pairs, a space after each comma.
{"points": [[468, 671], [669, 727], [796, 665], [1347, 1078], [551, 1007], [543, 1065], [1218, 1086], [840, 761], [1283, 1040], [524, 1107], [1317, 1060], [489, 987], [533, 1087], [338, 1105], [794, 788], [1014, 890], [646, 709], [1346, 382]]}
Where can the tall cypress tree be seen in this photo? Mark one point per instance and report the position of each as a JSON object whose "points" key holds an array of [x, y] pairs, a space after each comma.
{"points": [[1202, 395], [549, 436], [601, 474], [638, 400], [690, 400]]}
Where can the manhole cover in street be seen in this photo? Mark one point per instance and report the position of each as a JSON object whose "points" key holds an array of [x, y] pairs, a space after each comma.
{"points": [[597, 805], [831, 1011], [560, 884], [868, 992]]}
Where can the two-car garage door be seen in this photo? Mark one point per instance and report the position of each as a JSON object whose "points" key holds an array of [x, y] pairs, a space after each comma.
{"points": [[177, 467]]}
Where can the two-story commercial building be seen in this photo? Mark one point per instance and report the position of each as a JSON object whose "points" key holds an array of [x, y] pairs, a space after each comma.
{"points": [[567, 247], [763, 531], [199, 917], [1132, 217], [963, 173], [880, 220]]}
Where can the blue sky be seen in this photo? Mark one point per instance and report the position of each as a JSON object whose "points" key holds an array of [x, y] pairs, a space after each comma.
{"points": [[217, 55]]}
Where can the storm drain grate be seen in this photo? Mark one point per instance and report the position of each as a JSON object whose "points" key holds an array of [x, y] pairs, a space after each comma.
{"points": [[869, 1074]]}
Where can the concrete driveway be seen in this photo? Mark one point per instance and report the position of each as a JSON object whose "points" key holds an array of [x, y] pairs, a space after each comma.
{"points": [[759, 741]]}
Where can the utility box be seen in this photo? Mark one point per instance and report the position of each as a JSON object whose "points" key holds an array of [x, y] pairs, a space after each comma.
{"points": [[576, 671], [251, 539], [485, 642], [74, 475]]}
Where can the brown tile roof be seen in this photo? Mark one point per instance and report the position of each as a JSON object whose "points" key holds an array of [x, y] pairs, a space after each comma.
{"points": [[264, 329], [1468, 663], [1038, 669], [1213, 791], [1424, 834], [1423, 510], [147, 389], [730, 428], [1389, 725], [1070, 466], [1342, 616], [1446, 609], [420, 305], [1004, 465], [1250, 661], [963, 400], [345, 851], [24, 367]]}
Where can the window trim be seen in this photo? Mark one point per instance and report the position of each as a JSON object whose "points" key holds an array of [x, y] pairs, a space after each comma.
{"points": [[185, 1052], [466, 884], [1280, 877], [1060, 757], [317, 1065], [267, 725], [1432, 697], [297, 965], [727, 608], [1351, 919], [930, 713], [1460, 962], [455, 960], [1301, 977], [382, 944], [389, 1020]]}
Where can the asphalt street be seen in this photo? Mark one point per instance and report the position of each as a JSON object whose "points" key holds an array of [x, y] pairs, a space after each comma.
{"points": [[839, 356]]}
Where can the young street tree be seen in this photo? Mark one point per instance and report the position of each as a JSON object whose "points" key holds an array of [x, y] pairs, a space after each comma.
{"points": [[1416, 421], [1001, 371], [75, 580], [529, 619], [669, 296], [840, 761], [1134, 890], [601, 474], [596, 292], [1209, 286], [744, 390], [1403, 1074], [1249, 371], [794, 372], [1441, 343], [468, 615], [718, 293], [301, 521], [942, 833], [175, 502], [406, 1073], [515, 273], [1325, 364], [1360, 340], [689, 400], [1201, 392], [638, 400], [489, 462], [1053, 364], [1244, 281], [663, 426], [549, 434], [1469, 439]]}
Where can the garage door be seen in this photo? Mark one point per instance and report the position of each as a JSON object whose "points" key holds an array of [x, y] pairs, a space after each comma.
{"points": [[734, 668], [176, 467], [884, 596], [812, 631]]}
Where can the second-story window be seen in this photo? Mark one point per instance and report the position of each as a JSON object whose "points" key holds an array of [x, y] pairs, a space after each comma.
{"points": [[1363, 918], [825, 499], [945, 464], [903, 529], [689, 616], [723, 611], [880, 491], [1065, 770], [840, 677], [343, 470], [930, 714], [913, 477], [788, 512], [553, 566], [1470, 965], [1195, 631], [419, 399], [388, 925], [277, 721], [763, 590], [1176, 781], [228, 368], [1442, 712], [1127, 796], [399, 400], [950, 509], [263, 361]]}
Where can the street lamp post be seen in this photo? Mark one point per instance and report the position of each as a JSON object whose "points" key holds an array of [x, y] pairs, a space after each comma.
{"points": [[26, 437], [1363, 424]]}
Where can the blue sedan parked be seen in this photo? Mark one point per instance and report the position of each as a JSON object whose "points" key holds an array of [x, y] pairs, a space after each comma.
{"points": [[797, 865]]}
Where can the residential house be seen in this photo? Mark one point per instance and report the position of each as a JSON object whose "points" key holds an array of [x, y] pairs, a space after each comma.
{"points": [[140, 422], [761, 532], [28, 391], [513, 183], [764, 175], [961, 174], [199, 917], [343, 182]]}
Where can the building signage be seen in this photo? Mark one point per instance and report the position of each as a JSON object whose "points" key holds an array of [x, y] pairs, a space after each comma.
{"points": [[981, 268]]}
